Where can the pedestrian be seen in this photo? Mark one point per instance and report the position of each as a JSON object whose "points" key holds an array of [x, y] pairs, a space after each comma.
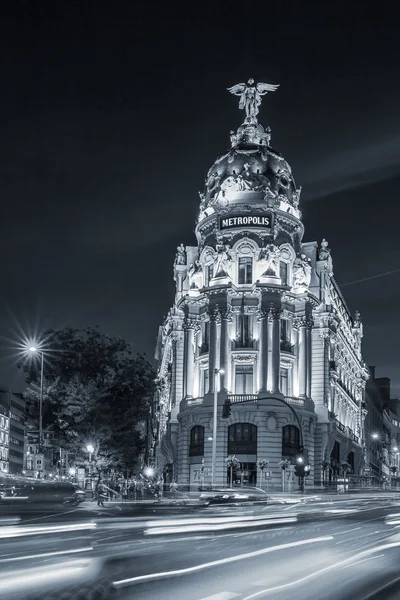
{"points": [[173, 487], [101, 494]]}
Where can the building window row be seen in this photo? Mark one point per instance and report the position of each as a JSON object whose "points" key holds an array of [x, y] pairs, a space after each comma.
{"points": [[244, 380], [242, 439]]}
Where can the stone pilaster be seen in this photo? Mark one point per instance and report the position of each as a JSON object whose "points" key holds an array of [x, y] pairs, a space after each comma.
{"points": [[274, 315], [225, 348], [189, 327], [263, 351], [215, 318], [300, 324]]}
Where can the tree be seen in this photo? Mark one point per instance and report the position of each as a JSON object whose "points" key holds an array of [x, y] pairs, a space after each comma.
{"points": [[95, 390]]}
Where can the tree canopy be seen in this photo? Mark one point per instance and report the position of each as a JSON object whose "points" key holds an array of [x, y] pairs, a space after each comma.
{"points": [[96, 390]]}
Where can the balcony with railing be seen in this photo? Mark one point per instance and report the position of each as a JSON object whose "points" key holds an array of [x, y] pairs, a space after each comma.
{"points": [[245, 342], [189, 402]]}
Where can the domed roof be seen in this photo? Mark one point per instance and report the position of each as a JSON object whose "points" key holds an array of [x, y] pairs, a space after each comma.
{"points": [[251, 165]]}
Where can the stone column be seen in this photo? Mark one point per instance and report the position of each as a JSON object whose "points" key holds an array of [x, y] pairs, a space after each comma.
{"points": [[263, 352], [215, 318], [274, 315], [189, 327], [302, 354], [295, 381], [225, 347], [309, 325]]}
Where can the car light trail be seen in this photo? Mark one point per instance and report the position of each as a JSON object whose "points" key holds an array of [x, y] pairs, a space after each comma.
{"points": [[216, 563], [12, 532]]}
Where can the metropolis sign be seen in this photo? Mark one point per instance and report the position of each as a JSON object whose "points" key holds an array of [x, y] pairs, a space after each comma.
{"points": [[249, 220]]}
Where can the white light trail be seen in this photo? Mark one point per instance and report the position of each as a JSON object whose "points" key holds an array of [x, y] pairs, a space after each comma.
{"points": [[216, 563], [218, 526], [12, 532], [46, 554], [335, 567]]}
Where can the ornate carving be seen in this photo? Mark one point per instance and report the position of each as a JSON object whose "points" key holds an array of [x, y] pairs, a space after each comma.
{"points": [[191, 324], [214, 314], [262, 313], [250, 97], [304, 321], [222, 260], [244, 358], [226, 314], [271, 257], [180, 257], [274, 313], [324, 251], [301, 273], [196, 276]]}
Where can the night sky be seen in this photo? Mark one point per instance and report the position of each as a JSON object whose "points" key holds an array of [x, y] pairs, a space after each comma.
{"points": [[110, 120]]}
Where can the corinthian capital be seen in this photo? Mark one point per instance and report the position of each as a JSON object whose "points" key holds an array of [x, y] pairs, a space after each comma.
{"points": [[190, 324], [226, 313], [274, 313], [214, 314], [304, 321], [262, 313]]}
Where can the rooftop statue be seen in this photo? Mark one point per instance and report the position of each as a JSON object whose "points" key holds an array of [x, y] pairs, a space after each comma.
{"points": [[250, 96]]}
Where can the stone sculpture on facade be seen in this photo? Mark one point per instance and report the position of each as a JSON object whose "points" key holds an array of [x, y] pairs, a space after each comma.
{"points": [[301, 273], [271, 256], [180, 258], [324, 251], [222, 261], [196, 275], [250, 96]]}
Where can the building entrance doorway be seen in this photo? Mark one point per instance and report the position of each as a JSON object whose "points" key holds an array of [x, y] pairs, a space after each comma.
{"points": [[244, 476]]}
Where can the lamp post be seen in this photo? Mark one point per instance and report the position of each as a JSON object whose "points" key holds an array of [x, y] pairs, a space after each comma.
{"points": [[90, 449], [34, 350], [377, 437], [215, 414]]}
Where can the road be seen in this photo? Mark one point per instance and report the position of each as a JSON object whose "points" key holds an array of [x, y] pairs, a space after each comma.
{"points": [[316, 551]]}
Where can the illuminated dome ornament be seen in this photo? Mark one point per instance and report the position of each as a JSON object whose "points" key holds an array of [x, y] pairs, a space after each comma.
{"points": [[251, 166]]}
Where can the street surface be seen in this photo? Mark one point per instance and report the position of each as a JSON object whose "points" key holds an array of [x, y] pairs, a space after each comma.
{"points": [[317, 550]]}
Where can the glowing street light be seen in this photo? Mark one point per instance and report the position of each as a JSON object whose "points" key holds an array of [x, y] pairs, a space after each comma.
{"points": [[149, 471], [375, 436], [36, 350]]}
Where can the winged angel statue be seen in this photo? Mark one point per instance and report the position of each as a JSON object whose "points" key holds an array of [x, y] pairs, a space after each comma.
{"points": [[250, 96]]}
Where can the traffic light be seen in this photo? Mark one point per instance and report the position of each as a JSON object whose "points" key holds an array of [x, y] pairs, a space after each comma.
{"points": [[299, 467], [299, 470], [226, 410]]}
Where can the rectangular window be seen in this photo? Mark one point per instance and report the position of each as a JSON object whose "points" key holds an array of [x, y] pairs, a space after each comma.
{"points": [[284, 382], [243, 331], [284, 330], [204, 382], [244, 379], [283, 272], [206, 338], [245, 270]]}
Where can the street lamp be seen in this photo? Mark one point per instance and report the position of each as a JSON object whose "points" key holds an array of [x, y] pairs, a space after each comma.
{"points": [[90, 449], [36, 350], [215, 413]]}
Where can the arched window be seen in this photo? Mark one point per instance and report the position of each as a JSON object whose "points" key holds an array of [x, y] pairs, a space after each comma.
{"points": [[290, 441], [242, 439], [196, 447]]}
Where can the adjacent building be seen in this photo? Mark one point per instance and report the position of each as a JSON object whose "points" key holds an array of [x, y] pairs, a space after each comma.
{"points": [[260, 325], [12, 434]]}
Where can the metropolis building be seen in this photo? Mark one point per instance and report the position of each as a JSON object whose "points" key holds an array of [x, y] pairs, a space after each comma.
{"points": [[258, 319]]}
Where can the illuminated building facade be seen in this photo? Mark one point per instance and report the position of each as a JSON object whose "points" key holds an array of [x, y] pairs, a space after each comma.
{"points": [[259, 318]]}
